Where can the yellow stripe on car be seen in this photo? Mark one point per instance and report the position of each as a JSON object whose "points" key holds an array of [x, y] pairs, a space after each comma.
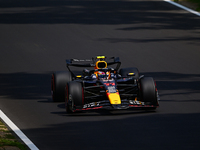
{"points": [[131, 74], [79, 76], [114, 98], [101, 57]]}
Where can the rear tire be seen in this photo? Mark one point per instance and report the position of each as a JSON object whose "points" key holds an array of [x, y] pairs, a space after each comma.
{"points": [[74, 96], [148, 90], [58, 83], [124, 72]]}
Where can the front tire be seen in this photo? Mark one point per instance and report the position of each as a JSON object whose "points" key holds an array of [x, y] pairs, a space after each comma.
{"points": [[148, 90], [74, 96], [58, 83]]}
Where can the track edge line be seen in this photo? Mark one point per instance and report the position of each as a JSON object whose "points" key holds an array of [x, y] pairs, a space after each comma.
{"points": [[17, 131], [183, 7]]}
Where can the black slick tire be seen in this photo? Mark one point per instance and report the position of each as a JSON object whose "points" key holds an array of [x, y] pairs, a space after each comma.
{"points": [[58, 84], [148, 90], [74, 96]]}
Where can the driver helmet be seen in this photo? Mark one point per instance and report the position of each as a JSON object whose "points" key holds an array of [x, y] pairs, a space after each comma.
{"points": [[101, 75]]}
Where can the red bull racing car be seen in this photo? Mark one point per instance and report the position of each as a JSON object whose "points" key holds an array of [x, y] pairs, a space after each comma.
{"points": [[103, 87]]}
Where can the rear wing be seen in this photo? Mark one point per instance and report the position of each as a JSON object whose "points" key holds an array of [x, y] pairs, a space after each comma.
{"points": [[91, 63], [79, 62]]}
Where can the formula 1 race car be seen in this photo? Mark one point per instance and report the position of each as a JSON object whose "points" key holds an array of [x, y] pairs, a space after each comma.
{"points": [[103, 87]]}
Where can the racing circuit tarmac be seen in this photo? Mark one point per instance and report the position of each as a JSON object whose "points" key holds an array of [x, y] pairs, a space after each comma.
{"points": [[161, 40]]}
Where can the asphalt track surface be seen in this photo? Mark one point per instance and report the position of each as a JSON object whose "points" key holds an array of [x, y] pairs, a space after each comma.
{"points": [[163, 41]]}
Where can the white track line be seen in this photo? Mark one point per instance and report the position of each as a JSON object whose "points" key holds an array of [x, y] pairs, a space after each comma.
{"points": [[21, 135], [183, 7]]}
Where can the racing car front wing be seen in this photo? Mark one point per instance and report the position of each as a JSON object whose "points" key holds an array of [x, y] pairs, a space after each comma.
{"points": [[125, 104]]}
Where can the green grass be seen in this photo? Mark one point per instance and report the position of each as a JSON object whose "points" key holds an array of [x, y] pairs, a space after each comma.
{"points": [[196, 2], [9, 136], [8, 142], [8, 139]]}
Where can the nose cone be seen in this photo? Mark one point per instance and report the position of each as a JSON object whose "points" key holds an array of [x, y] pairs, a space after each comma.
{"points": [[114, 98]]}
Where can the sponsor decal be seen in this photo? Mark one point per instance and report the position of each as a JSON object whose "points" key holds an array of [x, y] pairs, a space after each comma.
{"points": [[108, 84], [112, 89], [135, 102], [94, 104]]}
